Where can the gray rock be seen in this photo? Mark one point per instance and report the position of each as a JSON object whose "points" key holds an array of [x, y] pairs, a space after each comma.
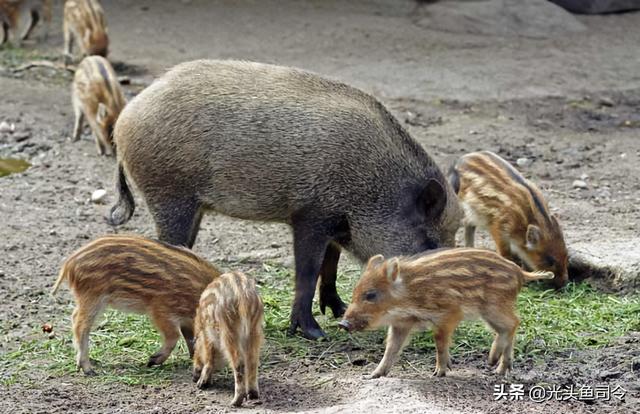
{"points": [[615, 263], [524, 162], [98, 196], [530, 18], [5, 127], [580, 184]]}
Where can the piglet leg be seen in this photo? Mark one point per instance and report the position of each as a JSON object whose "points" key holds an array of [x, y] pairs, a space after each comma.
{"points": [[396, 339]]}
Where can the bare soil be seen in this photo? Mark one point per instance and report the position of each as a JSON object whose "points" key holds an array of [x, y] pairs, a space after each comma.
{"points": [[570, 104]]}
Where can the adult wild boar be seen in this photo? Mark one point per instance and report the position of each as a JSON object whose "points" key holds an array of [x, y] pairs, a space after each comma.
{"points": [[271, 143]]}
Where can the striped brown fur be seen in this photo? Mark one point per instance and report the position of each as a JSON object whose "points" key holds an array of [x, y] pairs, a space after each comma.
{"points": [[84, 23], [496, 197], [18, 19], [135, 274], [229, 327], [97, 97], [439, 289]]}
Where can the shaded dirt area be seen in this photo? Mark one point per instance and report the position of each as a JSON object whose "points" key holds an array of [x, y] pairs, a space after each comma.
{"points": [[569, 104]]}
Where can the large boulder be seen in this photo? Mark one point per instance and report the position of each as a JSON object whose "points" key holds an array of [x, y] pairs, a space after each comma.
{"points": [[530, 18], [611, 264]]}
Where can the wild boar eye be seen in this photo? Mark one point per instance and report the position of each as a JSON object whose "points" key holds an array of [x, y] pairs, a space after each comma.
{"points": [[371, 296]]}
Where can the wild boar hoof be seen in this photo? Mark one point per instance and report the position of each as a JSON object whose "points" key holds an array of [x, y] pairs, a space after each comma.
{"points": [[338, 307], [310, 332], [90, 372]]}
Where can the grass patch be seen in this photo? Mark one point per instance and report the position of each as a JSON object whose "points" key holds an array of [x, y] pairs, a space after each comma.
{"points": [[578, 317], [13, 57]]}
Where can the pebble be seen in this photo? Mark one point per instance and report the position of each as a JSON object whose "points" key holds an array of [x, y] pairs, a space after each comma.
{"points": [[524, 162], [584, 177], [5, 127], [579, 184], [98, 196], [606, 102]]}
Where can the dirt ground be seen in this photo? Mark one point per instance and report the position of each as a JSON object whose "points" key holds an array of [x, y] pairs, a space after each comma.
{"points": [[570, 104]]}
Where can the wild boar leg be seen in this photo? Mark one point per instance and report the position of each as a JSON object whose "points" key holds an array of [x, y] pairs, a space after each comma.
{"points": [[443, 332], [187, 334], [310, 240], [328, 292], [396, 339], [177, 221], [83, 317], [170, 334], [469, 235]]}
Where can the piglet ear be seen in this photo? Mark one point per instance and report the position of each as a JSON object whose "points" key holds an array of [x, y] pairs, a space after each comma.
{"points": [[393, 269], [375, 261], [534, 235]]}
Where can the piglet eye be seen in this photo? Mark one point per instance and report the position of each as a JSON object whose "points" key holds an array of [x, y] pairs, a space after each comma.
{"points": [[371, 296], [550, 261]]}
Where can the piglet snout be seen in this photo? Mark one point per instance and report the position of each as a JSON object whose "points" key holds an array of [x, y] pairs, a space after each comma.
{"points": [[345, 324]]}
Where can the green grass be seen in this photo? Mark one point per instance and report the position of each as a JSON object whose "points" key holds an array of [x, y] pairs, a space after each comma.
{"points": [[11, 56], [552, 322]]}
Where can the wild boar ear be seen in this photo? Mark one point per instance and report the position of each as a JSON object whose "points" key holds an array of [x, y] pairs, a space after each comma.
{"points": [[433, 198], [102, 113], [393, 269], [534, 234], [375, 261]]}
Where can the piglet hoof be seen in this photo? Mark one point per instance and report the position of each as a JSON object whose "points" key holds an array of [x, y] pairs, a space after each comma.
{"points": [[196, 376], [202, 383], [374, 375], [503, 369], [253, 395], [237, 400], [90, 372], [440, 372], [156, 359]]}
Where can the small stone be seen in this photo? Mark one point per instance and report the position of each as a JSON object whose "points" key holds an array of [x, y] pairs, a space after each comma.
{"points": [[580, 184], [606, 102], [5, 127], [584, 177], [98, 196], [473, 132], [524, 162]]}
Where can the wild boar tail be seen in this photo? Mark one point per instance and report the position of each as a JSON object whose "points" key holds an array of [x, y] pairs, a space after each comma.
{"points": [[64, 271], [540, 275], [122, 211]]}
